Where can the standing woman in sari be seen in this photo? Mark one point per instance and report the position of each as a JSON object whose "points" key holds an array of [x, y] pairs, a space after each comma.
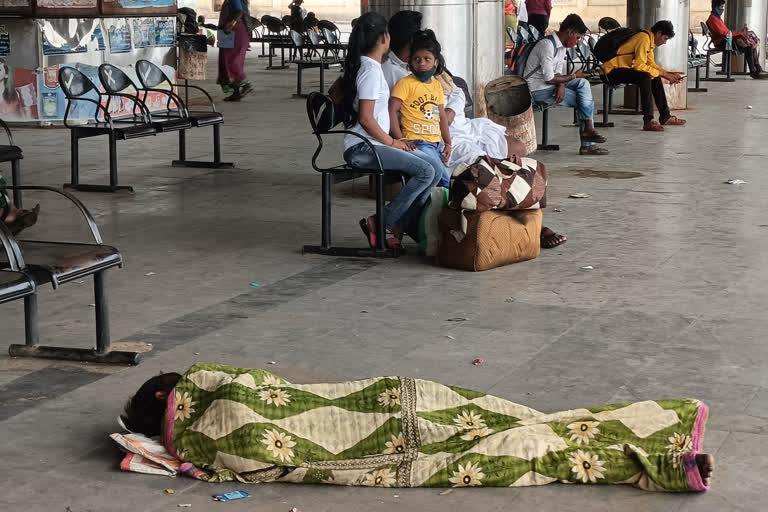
{"points": [[235, 17]]}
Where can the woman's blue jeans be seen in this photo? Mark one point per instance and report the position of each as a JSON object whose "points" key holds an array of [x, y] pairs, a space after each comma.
{"points": [[405, 209]]}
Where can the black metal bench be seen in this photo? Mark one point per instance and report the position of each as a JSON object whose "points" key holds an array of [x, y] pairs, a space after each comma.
{"points": [[12, 153], [57, 263], [323, 117], [79, 88], [695, 62], [307, 56], [710, 49], [153, 79]]}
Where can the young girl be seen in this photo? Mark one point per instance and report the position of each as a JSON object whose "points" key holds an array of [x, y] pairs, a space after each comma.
{"points": [[365, 101], [418, 99]]}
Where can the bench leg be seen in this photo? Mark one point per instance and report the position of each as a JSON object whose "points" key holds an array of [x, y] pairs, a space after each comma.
{"points": [[16, 181], [545, 134], [605, 123], [113, 185], [102, 354], [216, 164], [322, 78], [103, 340], [31, 330], [698, 87], [327, 197], [182, 145], [299, 71]]}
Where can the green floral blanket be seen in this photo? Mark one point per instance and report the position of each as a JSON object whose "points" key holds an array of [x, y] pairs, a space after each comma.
{"points": [[228, 423]]}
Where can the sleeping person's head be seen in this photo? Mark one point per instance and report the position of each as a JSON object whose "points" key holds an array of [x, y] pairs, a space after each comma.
{"points": [[145, 410]]}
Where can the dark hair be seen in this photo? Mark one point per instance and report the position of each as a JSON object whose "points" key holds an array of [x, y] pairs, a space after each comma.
{"points": [[364, 37], [717, 3], [575, 23], [665, 27], [402, 26], [144, 412], [426, 40]]}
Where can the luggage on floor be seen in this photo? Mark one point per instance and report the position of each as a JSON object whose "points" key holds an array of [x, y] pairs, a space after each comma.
{"points": [[493, 238]]}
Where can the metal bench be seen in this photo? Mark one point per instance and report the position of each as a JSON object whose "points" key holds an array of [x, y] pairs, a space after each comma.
{"points": [[323, 117], [57, 263], [79, 88], [12, 153]]}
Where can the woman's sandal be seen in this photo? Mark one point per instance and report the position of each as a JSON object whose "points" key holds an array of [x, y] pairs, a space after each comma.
{"points": [[593, 150], [370, 234]]}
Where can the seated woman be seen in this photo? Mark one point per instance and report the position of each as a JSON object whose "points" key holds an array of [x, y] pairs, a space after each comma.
{"points": [[227, 423], [745, 42], [14, 219], [365, 105]]}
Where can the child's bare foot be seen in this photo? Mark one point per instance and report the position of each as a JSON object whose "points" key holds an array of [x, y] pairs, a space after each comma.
{"points": [[22, 219], [706, 464], [10, 216]]}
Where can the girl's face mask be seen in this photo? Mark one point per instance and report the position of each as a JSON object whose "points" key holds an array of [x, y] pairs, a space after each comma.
{"points": [[425, 76], [718, 12]]}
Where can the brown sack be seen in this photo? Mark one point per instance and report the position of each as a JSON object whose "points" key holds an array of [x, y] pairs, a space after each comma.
{"points": [[494, 238]]}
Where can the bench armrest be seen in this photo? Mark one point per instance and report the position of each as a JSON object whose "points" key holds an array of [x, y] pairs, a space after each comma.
{"points": [[99, 106], [7, 132], [210, 99], [74, 200], [365, 140], [146, 117], [171, 96], [12, 250]]}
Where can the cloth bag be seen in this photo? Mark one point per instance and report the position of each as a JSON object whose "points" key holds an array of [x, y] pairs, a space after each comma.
{"points": [[224, 39], [493, 238]]}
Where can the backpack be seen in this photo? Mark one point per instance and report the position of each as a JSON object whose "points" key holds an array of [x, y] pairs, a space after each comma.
{"points": [[607, 47], [521, 61]]}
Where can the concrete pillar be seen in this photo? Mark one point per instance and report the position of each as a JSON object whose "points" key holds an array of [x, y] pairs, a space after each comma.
{"points": [[751, 13], [471, 33], [673, 56]]}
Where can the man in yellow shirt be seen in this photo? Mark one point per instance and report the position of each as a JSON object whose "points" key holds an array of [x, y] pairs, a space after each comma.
{"points": [[635, 64]]}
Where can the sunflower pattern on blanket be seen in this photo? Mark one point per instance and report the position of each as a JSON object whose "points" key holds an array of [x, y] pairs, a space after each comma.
{"points": [[228, 423]]}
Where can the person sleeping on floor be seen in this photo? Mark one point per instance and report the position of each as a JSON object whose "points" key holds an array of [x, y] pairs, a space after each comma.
{"points": [[226, 423]]}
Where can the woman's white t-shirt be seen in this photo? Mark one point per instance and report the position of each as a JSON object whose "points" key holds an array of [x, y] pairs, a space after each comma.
{"points": [[371, 85]]}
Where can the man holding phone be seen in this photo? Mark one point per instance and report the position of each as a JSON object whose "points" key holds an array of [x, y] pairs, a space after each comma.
{"points": [[543, 72], [635, 63]]}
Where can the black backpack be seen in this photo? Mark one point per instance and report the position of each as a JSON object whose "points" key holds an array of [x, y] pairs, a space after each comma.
{"points": [[607, 47], [521, 61]]}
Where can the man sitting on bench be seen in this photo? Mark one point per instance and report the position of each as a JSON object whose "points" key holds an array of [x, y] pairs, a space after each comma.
{"points": [[542, 71], [14, 219], [745, 42], [634, 63]]}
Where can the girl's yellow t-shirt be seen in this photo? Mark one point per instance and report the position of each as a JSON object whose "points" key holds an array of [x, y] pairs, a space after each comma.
{"points": [[420, 115]]}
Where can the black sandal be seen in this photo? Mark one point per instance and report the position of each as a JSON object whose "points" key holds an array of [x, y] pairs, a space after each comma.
{"points": [[593, 150], [596, 138], [550, 239], [24, 219]]}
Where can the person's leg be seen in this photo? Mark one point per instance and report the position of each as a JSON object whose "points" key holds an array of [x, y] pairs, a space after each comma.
{"points": [[544, 95], [421, 176], [540, 21], [223, 79], [578, 94], [235, 63], [431, 153]]}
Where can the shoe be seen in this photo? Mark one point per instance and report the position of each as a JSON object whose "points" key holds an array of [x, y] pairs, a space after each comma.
{"points": [[235, 96], [227, 89], [653, 126], [673, 121]]}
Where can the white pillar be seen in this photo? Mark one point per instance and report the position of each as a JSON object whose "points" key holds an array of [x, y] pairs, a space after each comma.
{"points": [[673, 56], [751, 13], [471, 33]]}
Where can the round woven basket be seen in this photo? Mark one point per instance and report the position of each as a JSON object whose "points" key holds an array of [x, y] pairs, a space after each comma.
{"points": [[509, 104]]}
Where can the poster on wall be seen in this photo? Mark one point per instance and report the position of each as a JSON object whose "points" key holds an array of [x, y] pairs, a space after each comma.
{"points": [[165, 32], [143, 32], [58, 39], [119, 32], [66, 7], [5, 41], [138, 7], [18, 92]]}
